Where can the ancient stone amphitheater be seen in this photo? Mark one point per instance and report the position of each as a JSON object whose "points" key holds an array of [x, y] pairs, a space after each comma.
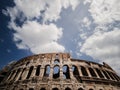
{"points": [[58, 71]]}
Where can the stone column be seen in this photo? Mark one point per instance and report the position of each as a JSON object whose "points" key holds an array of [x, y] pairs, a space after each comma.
{"points": [[42, 69], [25, 73], [13, 75], [103, 74], [51, 72], [9, 76], [61, 73], [88, 72], [80, 72], [96, 73], [19, 74], [33, 71]]}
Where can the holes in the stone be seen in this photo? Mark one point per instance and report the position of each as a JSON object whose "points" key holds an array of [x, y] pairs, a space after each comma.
{"points": [[99, 73], [76, 73], [67, 88], [30, 72], [27, 63], [38, 70], [57, 56], [80, 89], [84, 72], [92, 72], [47, 71], [66, 72], [56, 61], [55, 89], [56, 72]]}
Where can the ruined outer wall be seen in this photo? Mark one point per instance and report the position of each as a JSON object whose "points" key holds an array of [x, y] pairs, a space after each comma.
{"points": [[58, 71]]}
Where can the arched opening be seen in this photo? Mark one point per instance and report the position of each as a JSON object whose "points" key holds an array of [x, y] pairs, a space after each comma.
{"points": [[47, 71], [110, 74], [55, 89], [66, 72], [56, 72], [18, 71], [42, 89], [30, 72], [12, 73], [99, 73], [76, 73], [31, 89], [56, 61], [22, 73], [38, 70], [80, 89], [84, 71], [92, 72], [20, 89], [106, 75], [67, 88]]}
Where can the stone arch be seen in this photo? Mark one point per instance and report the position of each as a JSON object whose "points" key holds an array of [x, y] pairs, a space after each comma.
{"points": [[80, 89], [18, 71], [92, 72], [38, 70], [76, 73], [106, 75], [56, 72], [99, 73], [56, 61], [84, 71], [30, 72], [47, 71], [66, 72], [67, 88], [55, 89]]}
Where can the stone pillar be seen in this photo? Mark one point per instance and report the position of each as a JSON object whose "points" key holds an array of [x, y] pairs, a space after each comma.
{"points": [[88, 72], [13, 75], [25, 73], [19, 74], [33, 72], [42, 72], [51, 72], [96, 73], [80, 72], [61, 73], [9, 76], [103, 74]]}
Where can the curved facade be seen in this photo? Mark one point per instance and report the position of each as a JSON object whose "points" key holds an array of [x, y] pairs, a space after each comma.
{"points": [[58, 71]]}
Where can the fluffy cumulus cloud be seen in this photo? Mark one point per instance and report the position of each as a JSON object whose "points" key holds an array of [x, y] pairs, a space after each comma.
{"points": [[32, 22], [105, 47], [105, 11]]}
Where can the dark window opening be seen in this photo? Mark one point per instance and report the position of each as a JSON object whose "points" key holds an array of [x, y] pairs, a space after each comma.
{"points": [[38, 70], [92, 72], [42, 89], [99, 73], [80, 89], [66, 72], [67, 88], [110, 75], [56, 61], [76, 73], [47, 71], [106, 75], [55, 89], [91, 89], [31, 89], [30, 72], [27, 63], [56, 72], [84, 72], [22, 74]]}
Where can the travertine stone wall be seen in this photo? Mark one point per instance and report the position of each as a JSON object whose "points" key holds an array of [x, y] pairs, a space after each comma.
{"points": [[58, 71]]}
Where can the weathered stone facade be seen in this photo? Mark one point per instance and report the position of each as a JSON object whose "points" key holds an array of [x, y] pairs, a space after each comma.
{"points": [[58, 71]]}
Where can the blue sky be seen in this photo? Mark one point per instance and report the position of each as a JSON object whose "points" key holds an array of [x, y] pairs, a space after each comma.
{"points": [[87, 29]]}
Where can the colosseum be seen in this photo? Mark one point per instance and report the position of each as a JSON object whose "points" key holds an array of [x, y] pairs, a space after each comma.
{"points": [[58, 71]]}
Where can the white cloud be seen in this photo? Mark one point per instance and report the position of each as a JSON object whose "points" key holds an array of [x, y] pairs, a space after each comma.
{"points": [[33, 35], [38, 38], [105, 47], [86, 22], [105, 11]]}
